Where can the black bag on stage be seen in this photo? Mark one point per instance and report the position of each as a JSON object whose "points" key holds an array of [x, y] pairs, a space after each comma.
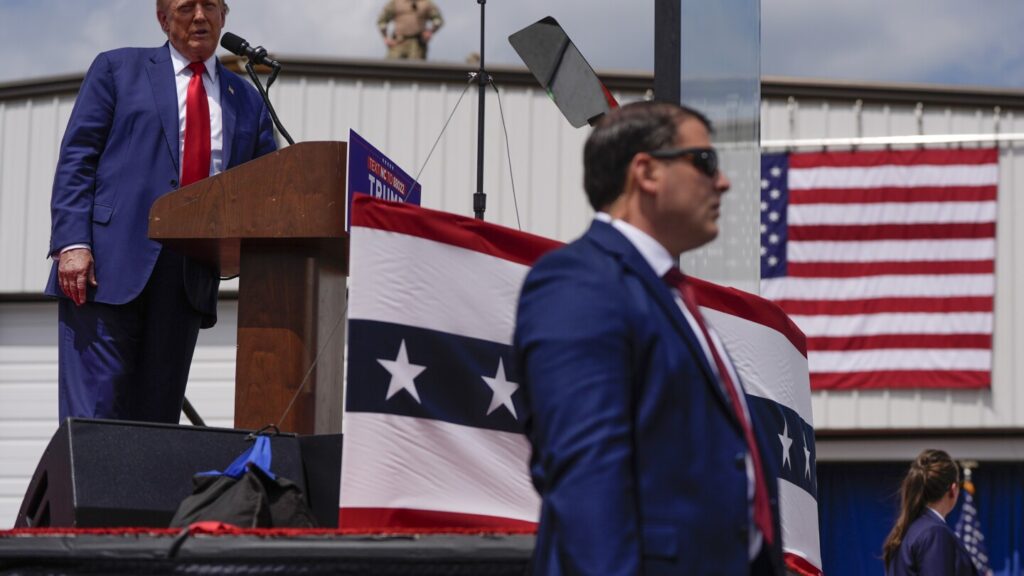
{"points": [[247, 495]]}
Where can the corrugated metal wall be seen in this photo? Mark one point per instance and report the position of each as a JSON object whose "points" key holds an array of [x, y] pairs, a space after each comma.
{"points": [[28, 388], [30, 132], [404, 117]]}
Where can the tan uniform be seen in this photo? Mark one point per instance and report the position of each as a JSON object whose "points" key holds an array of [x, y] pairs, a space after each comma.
{"points": [[408, 20]]}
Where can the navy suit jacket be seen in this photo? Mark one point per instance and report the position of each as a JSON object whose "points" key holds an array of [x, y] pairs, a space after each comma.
{"points": [[930, 548], [637, 454], [120, 153]]}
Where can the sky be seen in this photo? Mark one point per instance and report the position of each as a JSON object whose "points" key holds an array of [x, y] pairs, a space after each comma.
{"points": [[953, 42]]}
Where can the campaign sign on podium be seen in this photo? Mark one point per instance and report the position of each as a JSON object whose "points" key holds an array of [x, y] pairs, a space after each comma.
{"points": [[373, 173]]}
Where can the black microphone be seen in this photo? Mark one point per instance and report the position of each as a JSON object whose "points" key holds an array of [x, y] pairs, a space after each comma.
{"points": [[238, 46]]}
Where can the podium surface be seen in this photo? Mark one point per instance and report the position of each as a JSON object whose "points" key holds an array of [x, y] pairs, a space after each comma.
{"points": [[278, 222]]}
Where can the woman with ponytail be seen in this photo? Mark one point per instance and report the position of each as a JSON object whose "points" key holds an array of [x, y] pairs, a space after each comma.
{"points": [[921, 543]]}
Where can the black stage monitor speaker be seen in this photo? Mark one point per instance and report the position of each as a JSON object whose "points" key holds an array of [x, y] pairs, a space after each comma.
{"points": [[563, 71], [321, 461], [104, 473]]}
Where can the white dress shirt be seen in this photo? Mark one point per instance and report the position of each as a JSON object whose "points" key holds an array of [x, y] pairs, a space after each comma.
{"points": [[182, 76]]}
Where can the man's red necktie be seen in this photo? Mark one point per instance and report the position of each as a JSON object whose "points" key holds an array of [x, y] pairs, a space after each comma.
{"points": [[762, 509], [195, 164]]}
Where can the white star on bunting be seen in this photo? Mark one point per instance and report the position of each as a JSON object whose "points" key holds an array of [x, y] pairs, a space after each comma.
{"points": [[807, 459], [403, 374], [786, 443], [502, 391]]}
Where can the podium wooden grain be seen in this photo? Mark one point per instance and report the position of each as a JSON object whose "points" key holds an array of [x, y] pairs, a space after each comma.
{"points": [[279, 223]]}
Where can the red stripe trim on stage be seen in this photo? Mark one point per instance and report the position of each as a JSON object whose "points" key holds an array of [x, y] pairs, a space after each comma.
{"points": [[749, 307], [883, 305], [900, 341], [855, 269], [373, 520], [894, 157], [868, 232], [230, 530], [902, 379], [888, 195], [800, 565], [459, 231]]}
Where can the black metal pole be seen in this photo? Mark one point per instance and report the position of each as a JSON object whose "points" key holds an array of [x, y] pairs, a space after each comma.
{"points": [[480, 199], [667, 50], [266, 100], [191, 414]]}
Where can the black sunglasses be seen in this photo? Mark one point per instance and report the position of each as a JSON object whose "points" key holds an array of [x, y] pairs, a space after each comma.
{"points": [[703, 159]]}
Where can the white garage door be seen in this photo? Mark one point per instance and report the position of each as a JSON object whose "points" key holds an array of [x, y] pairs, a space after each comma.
{"points": [[28, 388]]}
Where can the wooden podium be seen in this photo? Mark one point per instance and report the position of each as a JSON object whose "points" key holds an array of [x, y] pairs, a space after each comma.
{"points": [[279, 223]]}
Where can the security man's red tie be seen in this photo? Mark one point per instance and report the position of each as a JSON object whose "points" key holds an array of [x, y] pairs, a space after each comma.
{"points": [[762, 509], [195, 164]]}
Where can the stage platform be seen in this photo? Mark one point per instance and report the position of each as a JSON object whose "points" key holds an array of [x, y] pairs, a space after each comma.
{"points": [[223, 551]]}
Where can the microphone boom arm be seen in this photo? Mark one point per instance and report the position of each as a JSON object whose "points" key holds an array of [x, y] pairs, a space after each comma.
{"points": [[258, 55], [266, 97]]}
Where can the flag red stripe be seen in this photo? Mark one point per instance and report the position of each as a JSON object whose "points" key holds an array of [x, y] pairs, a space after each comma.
{"points": [[892, 194], [856, 269], [882, 305], [749, 307], [459, 231], [376, 520], [894, 157], [867, 232], [612, 102], [899, 341], [902, 379]]}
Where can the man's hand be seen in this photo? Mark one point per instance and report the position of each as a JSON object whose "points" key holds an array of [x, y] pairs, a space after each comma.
{"points": [[74, 269], [390, 42], [426, 35]]}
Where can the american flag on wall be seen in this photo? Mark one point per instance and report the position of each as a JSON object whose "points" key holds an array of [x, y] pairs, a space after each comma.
{"points": [[968, 528], [886, 261], [433, 440]]}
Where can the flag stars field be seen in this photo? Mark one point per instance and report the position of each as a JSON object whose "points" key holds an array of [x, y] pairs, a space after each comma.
{"points": [[403, 374], [787, 442], [807, 457], [503, 391]]}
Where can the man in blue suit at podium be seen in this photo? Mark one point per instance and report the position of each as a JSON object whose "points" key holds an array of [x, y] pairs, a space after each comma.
{"points": [[644, 450], [146, 122]]}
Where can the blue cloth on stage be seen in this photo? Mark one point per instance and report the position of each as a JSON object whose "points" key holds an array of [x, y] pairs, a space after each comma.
{"points": [[258, 455]]}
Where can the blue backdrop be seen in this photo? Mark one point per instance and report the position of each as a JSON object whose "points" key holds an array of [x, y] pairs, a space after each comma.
{"points": [[858, 504]]}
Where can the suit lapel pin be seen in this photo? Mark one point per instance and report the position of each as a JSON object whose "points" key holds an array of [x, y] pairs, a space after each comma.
{"points": [[231, 89]]}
